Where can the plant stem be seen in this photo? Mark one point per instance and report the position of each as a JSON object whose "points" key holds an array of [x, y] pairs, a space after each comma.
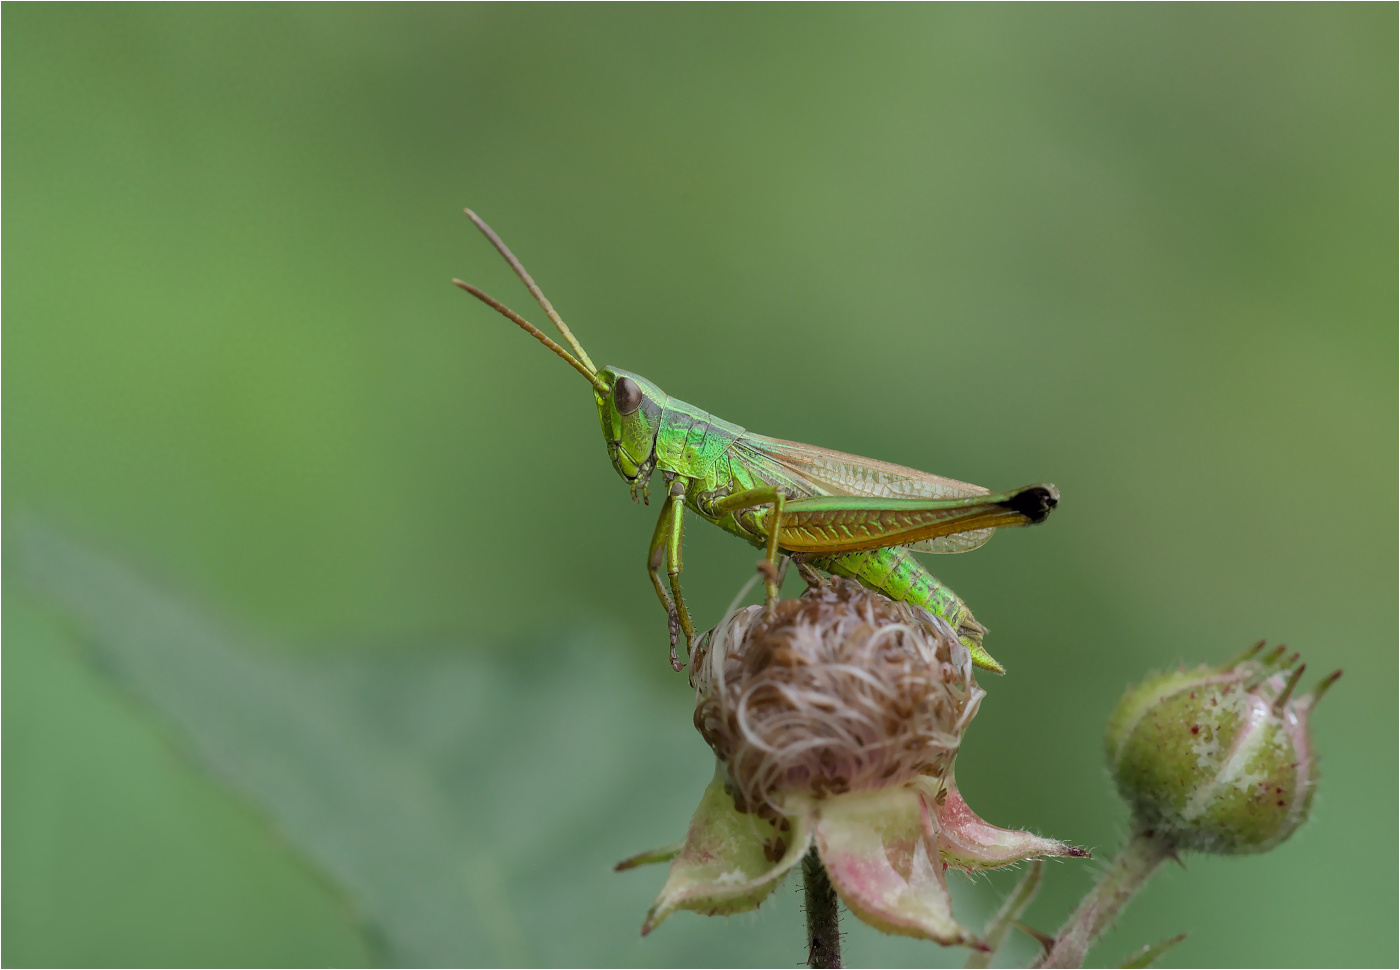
{"points": [[1010, 911], [823, 913], [1128, 873]]}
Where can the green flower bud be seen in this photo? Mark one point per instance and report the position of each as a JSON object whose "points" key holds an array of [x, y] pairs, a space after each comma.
{"points": [[1218, 759]]}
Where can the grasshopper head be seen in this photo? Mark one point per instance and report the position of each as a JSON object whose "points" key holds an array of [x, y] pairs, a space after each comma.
{"points": [[631, 417], [629, 405]]}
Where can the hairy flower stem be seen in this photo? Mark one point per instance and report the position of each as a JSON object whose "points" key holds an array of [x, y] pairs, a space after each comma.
{"points": [[1128, 873], [1010, 911], [823, 913]]}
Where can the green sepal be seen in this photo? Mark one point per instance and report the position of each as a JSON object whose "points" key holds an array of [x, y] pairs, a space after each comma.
{"points": [[726, 865], [1149, 954], [650, 857]]}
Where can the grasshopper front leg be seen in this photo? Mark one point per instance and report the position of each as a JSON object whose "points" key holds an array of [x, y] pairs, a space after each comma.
{"points": [[753, 498], [666, 547]]}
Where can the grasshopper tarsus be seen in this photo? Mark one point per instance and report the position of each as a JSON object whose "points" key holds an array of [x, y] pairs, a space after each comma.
{"points": [[810, 576], [772, 577]]}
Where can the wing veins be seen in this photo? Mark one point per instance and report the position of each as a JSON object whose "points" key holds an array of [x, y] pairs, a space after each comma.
{"points": [[831, 472]]}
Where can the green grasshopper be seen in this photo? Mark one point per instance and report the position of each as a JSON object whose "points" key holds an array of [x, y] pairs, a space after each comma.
{"points": [[824, 510]]}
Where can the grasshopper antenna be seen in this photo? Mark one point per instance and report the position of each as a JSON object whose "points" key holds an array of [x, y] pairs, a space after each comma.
{"points": [[535, 291], [537, 333]]}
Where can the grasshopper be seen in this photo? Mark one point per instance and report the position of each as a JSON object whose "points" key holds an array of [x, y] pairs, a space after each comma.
{"points": [[824, 510]]}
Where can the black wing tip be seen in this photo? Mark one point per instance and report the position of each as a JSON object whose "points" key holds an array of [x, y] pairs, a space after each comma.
{"points": [[1035, 502]]}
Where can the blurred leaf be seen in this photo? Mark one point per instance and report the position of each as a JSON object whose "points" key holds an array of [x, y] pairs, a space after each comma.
{"points": [[446, 792]]}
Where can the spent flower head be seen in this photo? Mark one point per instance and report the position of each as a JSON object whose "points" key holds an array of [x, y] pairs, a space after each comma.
{"points": [[835, 719]]}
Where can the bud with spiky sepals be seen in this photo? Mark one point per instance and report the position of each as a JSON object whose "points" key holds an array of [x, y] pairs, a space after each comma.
{"points": [[835, 720], [1218, 759], [1215, 759]]}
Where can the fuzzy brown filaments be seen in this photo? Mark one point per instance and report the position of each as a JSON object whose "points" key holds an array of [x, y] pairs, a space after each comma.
{"points": [[840, 690], [835, 720]]}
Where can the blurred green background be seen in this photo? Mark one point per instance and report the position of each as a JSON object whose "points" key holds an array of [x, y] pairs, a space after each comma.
{"points": [[1145, 252]]}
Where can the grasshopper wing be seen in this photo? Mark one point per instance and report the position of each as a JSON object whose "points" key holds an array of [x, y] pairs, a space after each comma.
{"points": [[837, 473]]}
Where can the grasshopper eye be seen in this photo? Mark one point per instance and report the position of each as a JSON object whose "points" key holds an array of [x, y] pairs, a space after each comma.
{"points": [[627, 396]]}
